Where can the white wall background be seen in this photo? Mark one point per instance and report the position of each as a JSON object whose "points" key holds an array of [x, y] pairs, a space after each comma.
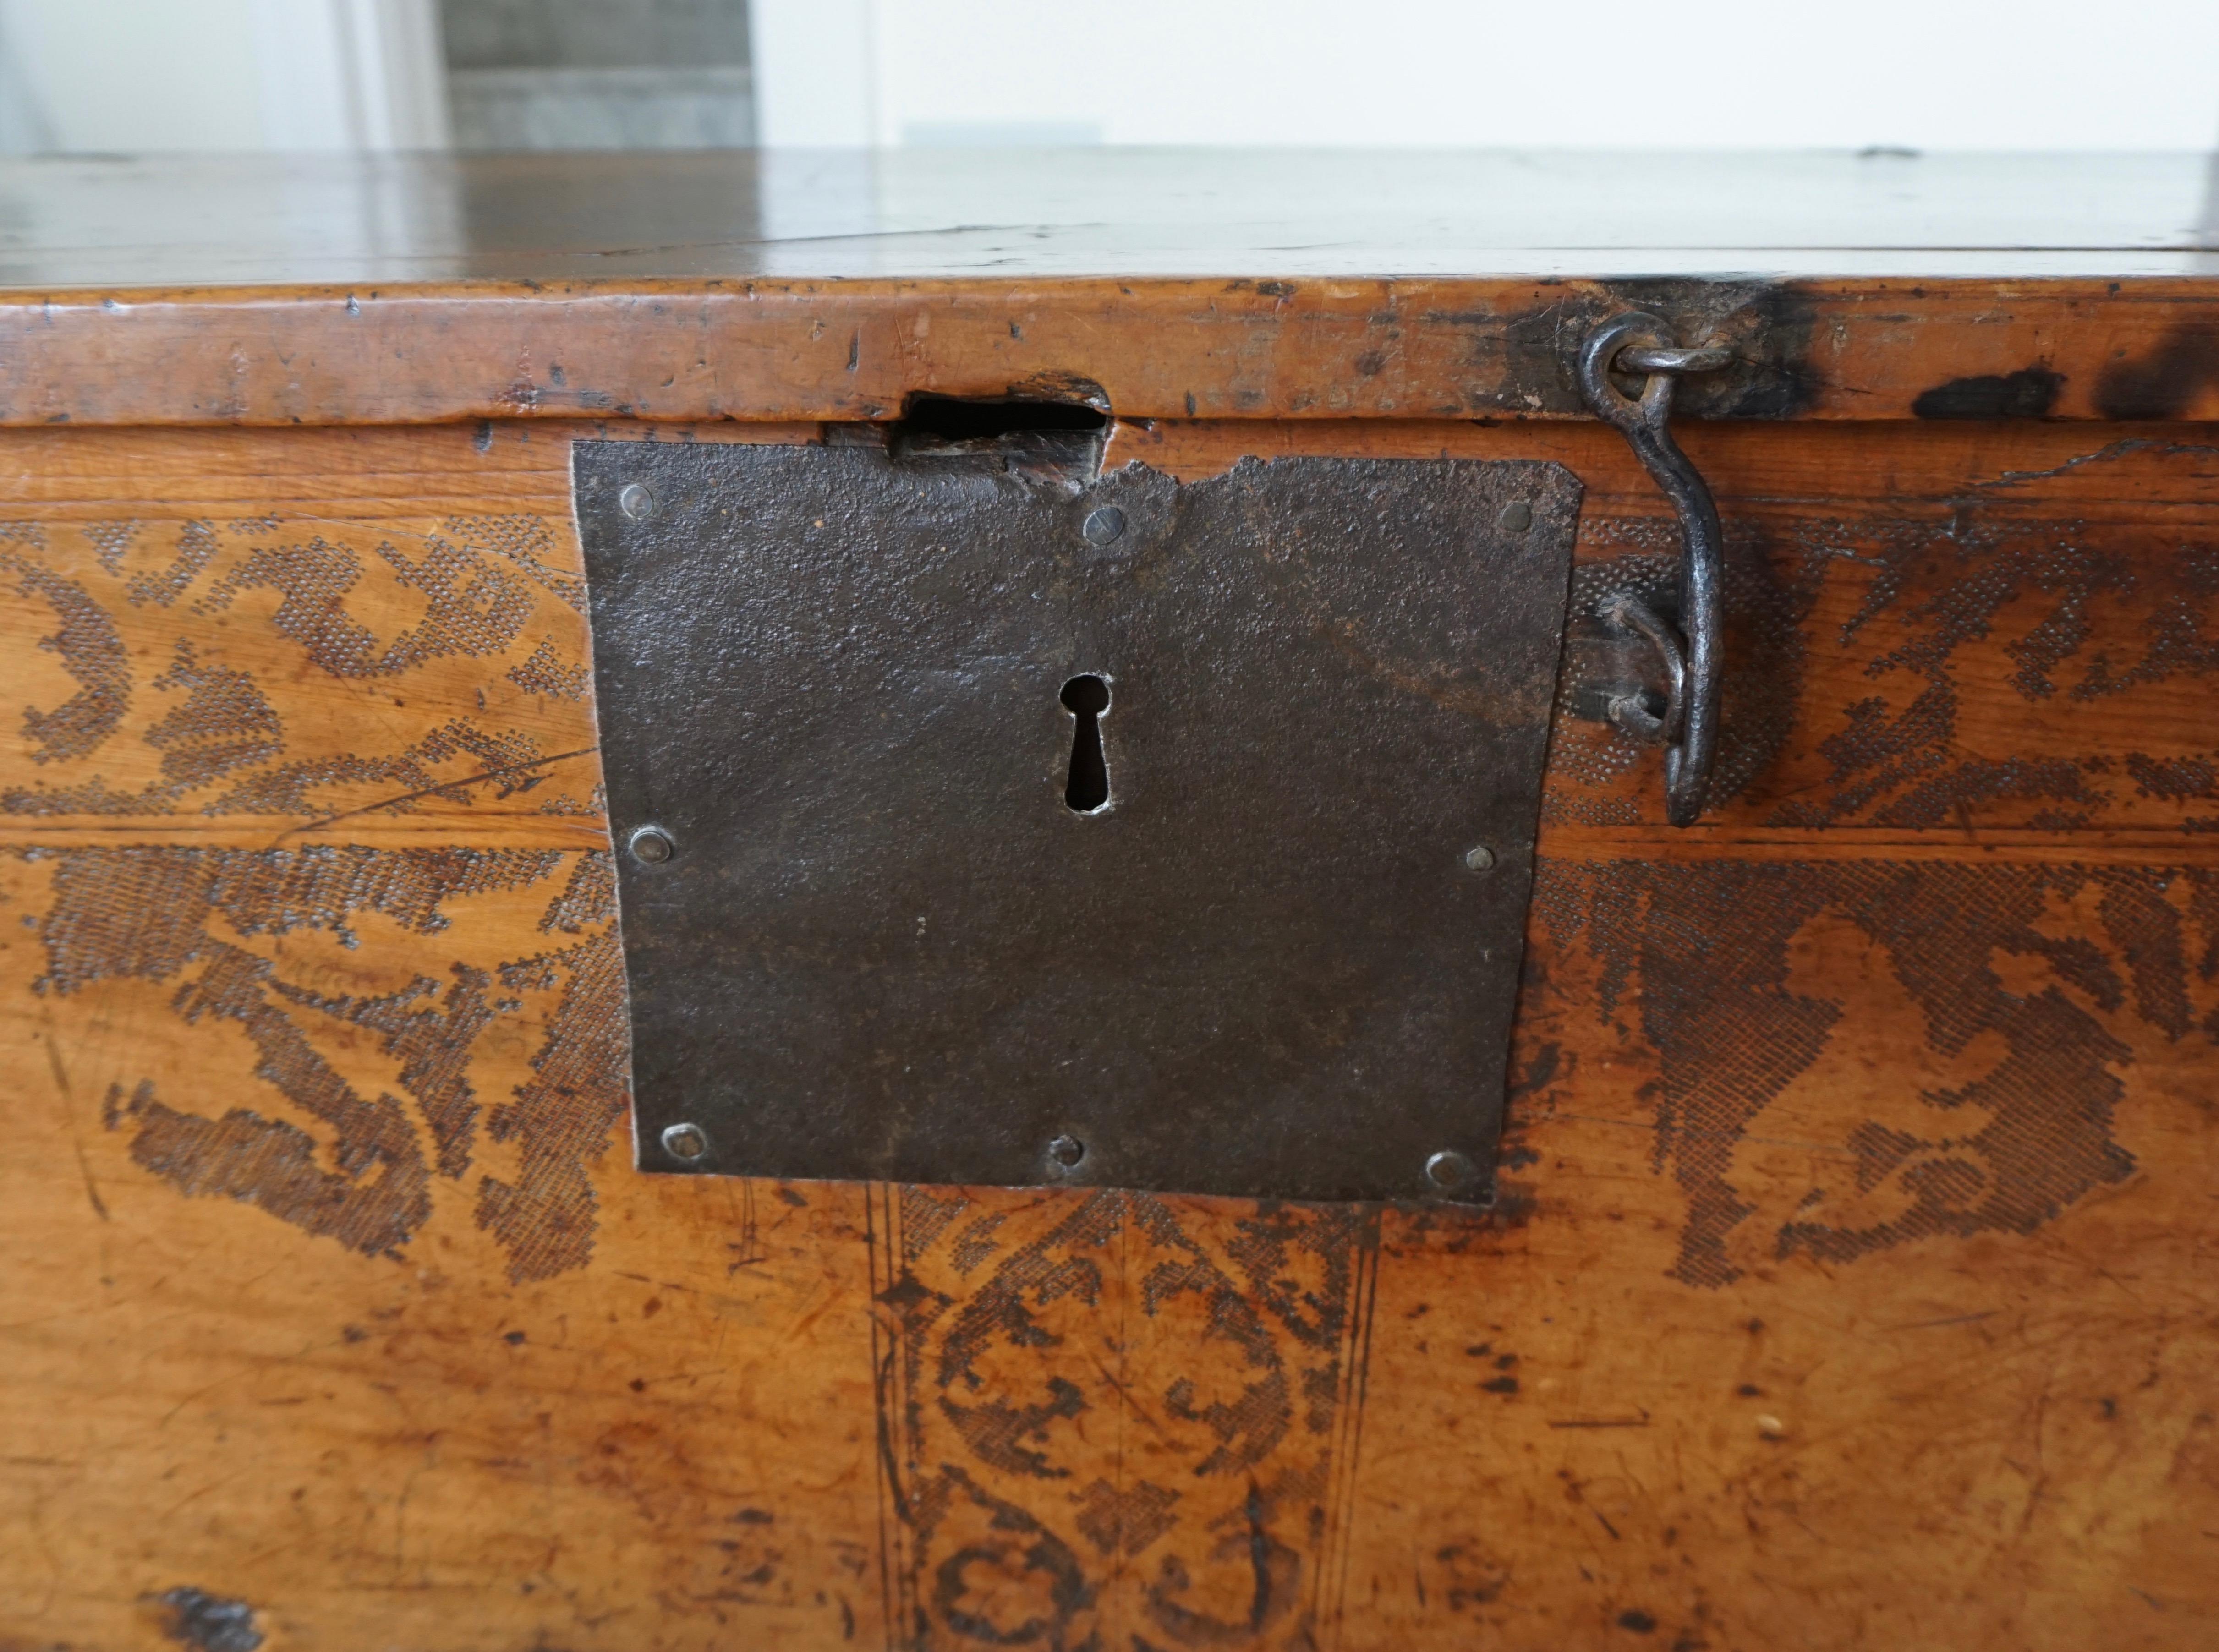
{"points": [[118, 75], [1928, 74]]}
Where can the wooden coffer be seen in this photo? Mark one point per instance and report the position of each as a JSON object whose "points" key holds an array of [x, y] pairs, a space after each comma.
{"points": [[1847, 1280]]}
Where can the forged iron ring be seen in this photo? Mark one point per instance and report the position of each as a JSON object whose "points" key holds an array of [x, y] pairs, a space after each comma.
{"points": [[1635, 359], [1650, 409]]}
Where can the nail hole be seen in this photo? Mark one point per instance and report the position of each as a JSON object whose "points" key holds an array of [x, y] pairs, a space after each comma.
{"points": [[1086, 698], [1066, 1151]]}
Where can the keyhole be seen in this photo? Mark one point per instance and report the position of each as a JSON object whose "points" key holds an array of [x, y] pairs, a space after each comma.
{"points": [[1086, 698]]}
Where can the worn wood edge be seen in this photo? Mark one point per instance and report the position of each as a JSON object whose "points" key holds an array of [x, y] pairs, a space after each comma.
{"points": [[2143, 347]]}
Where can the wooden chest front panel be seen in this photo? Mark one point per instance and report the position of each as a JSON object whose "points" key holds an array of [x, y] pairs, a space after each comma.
{"points": [[1849, 1286]]}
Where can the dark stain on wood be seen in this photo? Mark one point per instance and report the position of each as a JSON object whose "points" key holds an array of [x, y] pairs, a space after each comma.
{"points": [[2165, 381], [2031, 393]]}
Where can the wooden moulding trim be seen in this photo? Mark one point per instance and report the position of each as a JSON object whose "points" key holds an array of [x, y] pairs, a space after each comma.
{"points": [[2143, 348], [1989, 845], [485, 830], [493, 830]]}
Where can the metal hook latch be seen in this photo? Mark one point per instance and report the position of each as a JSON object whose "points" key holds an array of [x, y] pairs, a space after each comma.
{"points": [[1640, 345]]}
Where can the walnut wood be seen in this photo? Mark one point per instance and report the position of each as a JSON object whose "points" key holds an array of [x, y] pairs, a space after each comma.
{"points": [[1852, 348], [1849, 1286]]}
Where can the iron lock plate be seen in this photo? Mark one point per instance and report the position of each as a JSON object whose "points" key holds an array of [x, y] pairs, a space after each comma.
{"points": [[886, 937]]}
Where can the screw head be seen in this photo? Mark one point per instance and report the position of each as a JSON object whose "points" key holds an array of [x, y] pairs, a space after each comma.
{"points": [[1479, 858], [651, 845], [1517, 517], [637, 501], [1448, 1169], [1103, 526], [685, 1142], [1066, 1151]]}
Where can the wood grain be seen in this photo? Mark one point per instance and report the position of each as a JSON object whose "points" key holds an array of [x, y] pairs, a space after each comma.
{"points": [[1849, 1286], [376, 221], [1848, 349]]}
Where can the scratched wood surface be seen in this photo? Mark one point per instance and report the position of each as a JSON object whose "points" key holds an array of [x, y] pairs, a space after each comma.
{"points": [[1832, 348], [1167, 283], [1850, 1285]]}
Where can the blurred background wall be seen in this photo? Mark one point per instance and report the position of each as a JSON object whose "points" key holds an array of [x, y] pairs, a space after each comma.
{"points": [[92, 76]]}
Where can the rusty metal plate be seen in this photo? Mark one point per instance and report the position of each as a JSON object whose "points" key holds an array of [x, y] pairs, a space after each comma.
{"points": [[892, 934]]}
